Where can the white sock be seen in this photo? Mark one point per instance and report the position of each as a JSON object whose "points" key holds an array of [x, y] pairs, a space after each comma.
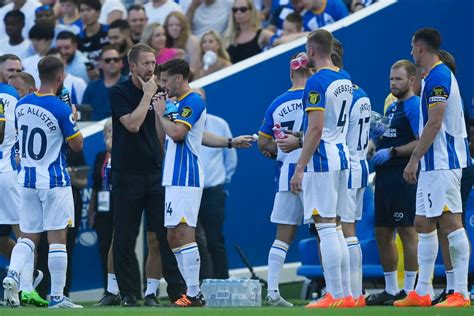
{"points": [[152, 286], [57, 265], [20, 255], [179, 259], [26, 277], [345, 263], [191, 267], [449, 281], [355, 258], [459, 251], [391, 282], [276, 259], [427, 253], [409, 281], [331, 257], [112, 285]]}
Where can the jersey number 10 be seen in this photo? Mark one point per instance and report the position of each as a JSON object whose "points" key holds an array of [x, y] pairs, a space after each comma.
{"points": [[27, 142]]}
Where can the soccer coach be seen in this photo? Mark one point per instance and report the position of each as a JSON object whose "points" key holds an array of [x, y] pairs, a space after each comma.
{"points": [[137, 157]]}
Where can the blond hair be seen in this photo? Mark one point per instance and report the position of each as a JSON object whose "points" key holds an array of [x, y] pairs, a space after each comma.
{"points": [[233, 30], [221, 52], [183, 37], [148, 33]]}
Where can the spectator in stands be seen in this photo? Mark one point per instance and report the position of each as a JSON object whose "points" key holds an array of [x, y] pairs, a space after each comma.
{"points": [[121, 37], [27, 7], [97, 91], [199, 12], [320, 13], [154, 36], [219, 167], [179, 36], [395, 198], [15, 43], [137, 20], [24, 83], [74, 59], [74, 85], [94, 36], [244, 36], [292, 29], [45, 14], [71, 16], [217, 56], [101, 211], [41, 36], [158, 10], [281, 12], [10, 65], [357, 5], [111, 11]]}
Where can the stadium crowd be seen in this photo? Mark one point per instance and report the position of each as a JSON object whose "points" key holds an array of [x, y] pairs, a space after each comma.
{"points": [[134, 62]]}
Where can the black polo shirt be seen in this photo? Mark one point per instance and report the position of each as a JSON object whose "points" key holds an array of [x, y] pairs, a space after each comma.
{"points": [[138, 153], [92, 46]]}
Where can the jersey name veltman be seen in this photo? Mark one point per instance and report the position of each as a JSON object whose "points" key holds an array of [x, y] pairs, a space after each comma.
{"points": [[287, 111]]}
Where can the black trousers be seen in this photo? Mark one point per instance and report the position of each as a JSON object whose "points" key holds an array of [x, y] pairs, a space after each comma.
{"points": [[211, 217], [132, 194], [103, 225]]}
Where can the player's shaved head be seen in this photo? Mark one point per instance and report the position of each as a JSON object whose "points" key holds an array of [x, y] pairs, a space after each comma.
{"points": [[429, 37], [321, 41]]}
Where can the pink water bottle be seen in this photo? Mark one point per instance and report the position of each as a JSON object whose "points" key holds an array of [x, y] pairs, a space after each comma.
{"points": [[278, 132]]}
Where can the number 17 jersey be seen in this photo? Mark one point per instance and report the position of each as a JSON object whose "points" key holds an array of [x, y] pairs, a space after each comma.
{"points": [[44, 123], [329, 90]]}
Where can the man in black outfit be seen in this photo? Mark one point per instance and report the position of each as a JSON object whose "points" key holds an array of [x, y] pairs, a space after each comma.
{"points": [[137, 157]]}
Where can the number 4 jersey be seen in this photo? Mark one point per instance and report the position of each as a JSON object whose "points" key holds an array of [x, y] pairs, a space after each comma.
{"points": [[44, 123], [329, 90]]}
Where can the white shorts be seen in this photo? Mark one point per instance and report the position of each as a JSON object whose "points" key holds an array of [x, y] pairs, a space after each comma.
{"points": [[438, 191], [287, 208], [182, 205], [355, 205], [46, 209], [325, 194], [9, 198]]}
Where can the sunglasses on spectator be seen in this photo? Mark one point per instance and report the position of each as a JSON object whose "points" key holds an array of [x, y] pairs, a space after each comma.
{"points": [[241, 9], [301, 61], [112, 59]]}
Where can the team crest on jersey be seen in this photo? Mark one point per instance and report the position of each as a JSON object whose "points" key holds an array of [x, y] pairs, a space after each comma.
{"points": [[186, 112], [314, 97]]}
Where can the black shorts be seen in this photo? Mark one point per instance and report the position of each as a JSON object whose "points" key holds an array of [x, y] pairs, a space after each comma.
{"points": [[5, 230], [395, 199]]}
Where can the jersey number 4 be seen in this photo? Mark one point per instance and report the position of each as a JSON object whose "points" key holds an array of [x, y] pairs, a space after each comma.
{"points": [[342, 116], [28, 141]]}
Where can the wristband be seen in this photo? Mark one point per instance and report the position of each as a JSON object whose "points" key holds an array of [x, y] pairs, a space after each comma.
{"points": [[229, 143]]}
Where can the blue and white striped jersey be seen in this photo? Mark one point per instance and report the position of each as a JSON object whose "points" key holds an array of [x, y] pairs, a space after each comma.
{"points": [[450, 148], [182, 166], [8, 99], [358, 138], [44, 124], [287, 111], [329, 90]]}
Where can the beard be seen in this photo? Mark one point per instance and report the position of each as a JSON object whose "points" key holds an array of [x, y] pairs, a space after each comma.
{"points": [[399, 93]]}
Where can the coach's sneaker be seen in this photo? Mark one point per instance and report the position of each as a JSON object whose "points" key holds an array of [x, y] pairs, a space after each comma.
{"points": [[327, 302], [383, 298], [188, 301], [279, 302], [37, 278], [151, 301], [63, 302], [109, 299], [414, 299], [33, 298], [10, 289], [348, 302], [360, 301], [455, 300]]}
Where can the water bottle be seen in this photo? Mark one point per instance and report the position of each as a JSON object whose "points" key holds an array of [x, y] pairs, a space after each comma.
{"points": [[107, 183], [232, 292], [278, 132]]}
